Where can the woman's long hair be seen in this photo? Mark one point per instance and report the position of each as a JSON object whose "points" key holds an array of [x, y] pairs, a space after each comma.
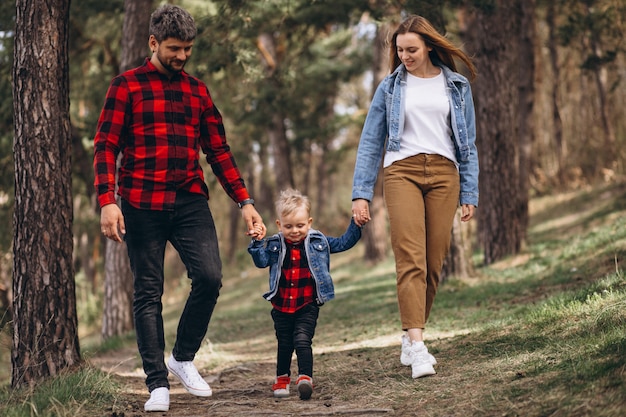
{"points": [[443, 50]]}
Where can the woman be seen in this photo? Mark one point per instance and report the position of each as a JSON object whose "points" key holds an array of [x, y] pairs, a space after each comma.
{"points": [[421, 123]]}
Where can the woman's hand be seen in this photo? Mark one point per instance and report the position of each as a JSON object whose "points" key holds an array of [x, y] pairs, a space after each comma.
{"points": [[467, 212], [361, 211]]}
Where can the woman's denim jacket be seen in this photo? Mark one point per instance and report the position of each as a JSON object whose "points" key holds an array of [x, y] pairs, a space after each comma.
{"points": [[271, 252], [385, 122]]}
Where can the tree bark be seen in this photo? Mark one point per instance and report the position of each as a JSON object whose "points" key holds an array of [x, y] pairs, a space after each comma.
{"points": [[117, 317], [600, 78], [526, 82], [280, 152], [374, 235], [456, 263], [118, 293], [493, 35], [45, 336], [557, 121], [276, 125]]}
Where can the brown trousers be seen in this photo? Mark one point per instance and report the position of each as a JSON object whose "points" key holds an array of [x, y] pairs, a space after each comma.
{"points": [[422, 196]]}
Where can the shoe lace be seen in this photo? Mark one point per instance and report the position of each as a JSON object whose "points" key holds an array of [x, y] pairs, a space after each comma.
{"points": [[190, 371], [421, 354]]}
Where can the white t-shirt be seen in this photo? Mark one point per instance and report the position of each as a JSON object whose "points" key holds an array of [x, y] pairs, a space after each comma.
{"points": [[426, 120]]}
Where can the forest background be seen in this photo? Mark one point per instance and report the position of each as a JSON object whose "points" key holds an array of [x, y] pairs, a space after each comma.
{"points": [[293, 80]]}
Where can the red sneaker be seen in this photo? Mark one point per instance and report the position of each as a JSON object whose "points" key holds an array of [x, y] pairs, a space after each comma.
{"points": [[305, 386], [281, 386]]}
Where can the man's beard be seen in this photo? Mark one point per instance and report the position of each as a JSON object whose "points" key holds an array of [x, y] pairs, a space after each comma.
{"points": [[169, 67]]}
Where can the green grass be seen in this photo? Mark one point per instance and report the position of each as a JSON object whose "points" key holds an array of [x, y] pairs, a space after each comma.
{"points": [[542, 333], [67, 395]]}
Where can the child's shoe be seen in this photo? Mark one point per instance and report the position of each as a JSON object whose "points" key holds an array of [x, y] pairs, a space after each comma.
{"points": [[281, 386], [305, 386], [422, 364], [406, 357]]}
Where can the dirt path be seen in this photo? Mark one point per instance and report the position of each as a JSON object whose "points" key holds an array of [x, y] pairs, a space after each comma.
{"points": [[242, 390]]}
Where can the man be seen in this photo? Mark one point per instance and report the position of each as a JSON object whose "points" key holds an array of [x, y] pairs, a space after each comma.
{"points": [[159, 117]]}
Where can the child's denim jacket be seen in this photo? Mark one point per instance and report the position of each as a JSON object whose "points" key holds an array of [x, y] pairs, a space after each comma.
{"points": [[318, 247]]}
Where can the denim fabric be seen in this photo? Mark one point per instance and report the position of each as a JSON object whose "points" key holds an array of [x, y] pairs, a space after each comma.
{"points": [[385, 123], [191, 231], [271, 252], [295, 331]]}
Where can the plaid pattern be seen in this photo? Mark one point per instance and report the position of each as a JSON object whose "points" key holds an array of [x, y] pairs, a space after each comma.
{"points": [[159, 125], [296, 287]]}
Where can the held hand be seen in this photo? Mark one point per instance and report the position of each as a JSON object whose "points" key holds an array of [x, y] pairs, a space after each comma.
{"points": [[467, 212], [258, 232], [361, 211], [254, 223], [112, 222]]}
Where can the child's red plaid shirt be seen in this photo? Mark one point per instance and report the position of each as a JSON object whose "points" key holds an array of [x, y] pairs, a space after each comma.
{"points": [[296, 287]]}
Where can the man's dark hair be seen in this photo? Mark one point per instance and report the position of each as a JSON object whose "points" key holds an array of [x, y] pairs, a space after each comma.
{"points": [[170, 21]]}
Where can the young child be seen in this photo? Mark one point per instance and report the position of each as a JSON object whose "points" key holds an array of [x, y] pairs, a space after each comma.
{"points": [[299, 283]]}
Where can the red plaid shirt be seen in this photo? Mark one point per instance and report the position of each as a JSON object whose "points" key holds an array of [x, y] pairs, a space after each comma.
{"points": [[296, 287], [160, 125]]}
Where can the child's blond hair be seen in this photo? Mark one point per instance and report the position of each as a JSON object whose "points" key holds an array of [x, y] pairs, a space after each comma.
{"points": [[290, 200]]}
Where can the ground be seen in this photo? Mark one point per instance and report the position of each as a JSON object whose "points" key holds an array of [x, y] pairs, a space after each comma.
{"points": [[241, 390]]}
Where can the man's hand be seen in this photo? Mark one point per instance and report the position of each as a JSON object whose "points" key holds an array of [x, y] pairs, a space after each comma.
{"points": [[112, 222], [254, 223]]}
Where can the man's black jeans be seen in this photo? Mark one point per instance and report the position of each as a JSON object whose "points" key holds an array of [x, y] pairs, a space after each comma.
{"points": [[191, 231], [295, 331]]}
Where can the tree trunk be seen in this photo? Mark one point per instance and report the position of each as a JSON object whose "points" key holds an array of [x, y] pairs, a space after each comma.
{"points": [[118, 293], [497, 97], [117, 317], [600, 79], [456, 263], [526, 81], [276, 126], [45, 336], [6, 293], [557, 122], [135, 33], [375, 236]]}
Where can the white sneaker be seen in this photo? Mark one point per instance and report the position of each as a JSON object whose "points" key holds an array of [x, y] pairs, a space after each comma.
{"points": [[421, 365], [405, 357], [159, 400], [189, 377]]}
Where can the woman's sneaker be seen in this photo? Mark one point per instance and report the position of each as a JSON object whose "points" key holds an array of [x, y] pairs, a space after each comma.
{"points": [[422, 363], [305, 386], [406, 357], [281, 386]]}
